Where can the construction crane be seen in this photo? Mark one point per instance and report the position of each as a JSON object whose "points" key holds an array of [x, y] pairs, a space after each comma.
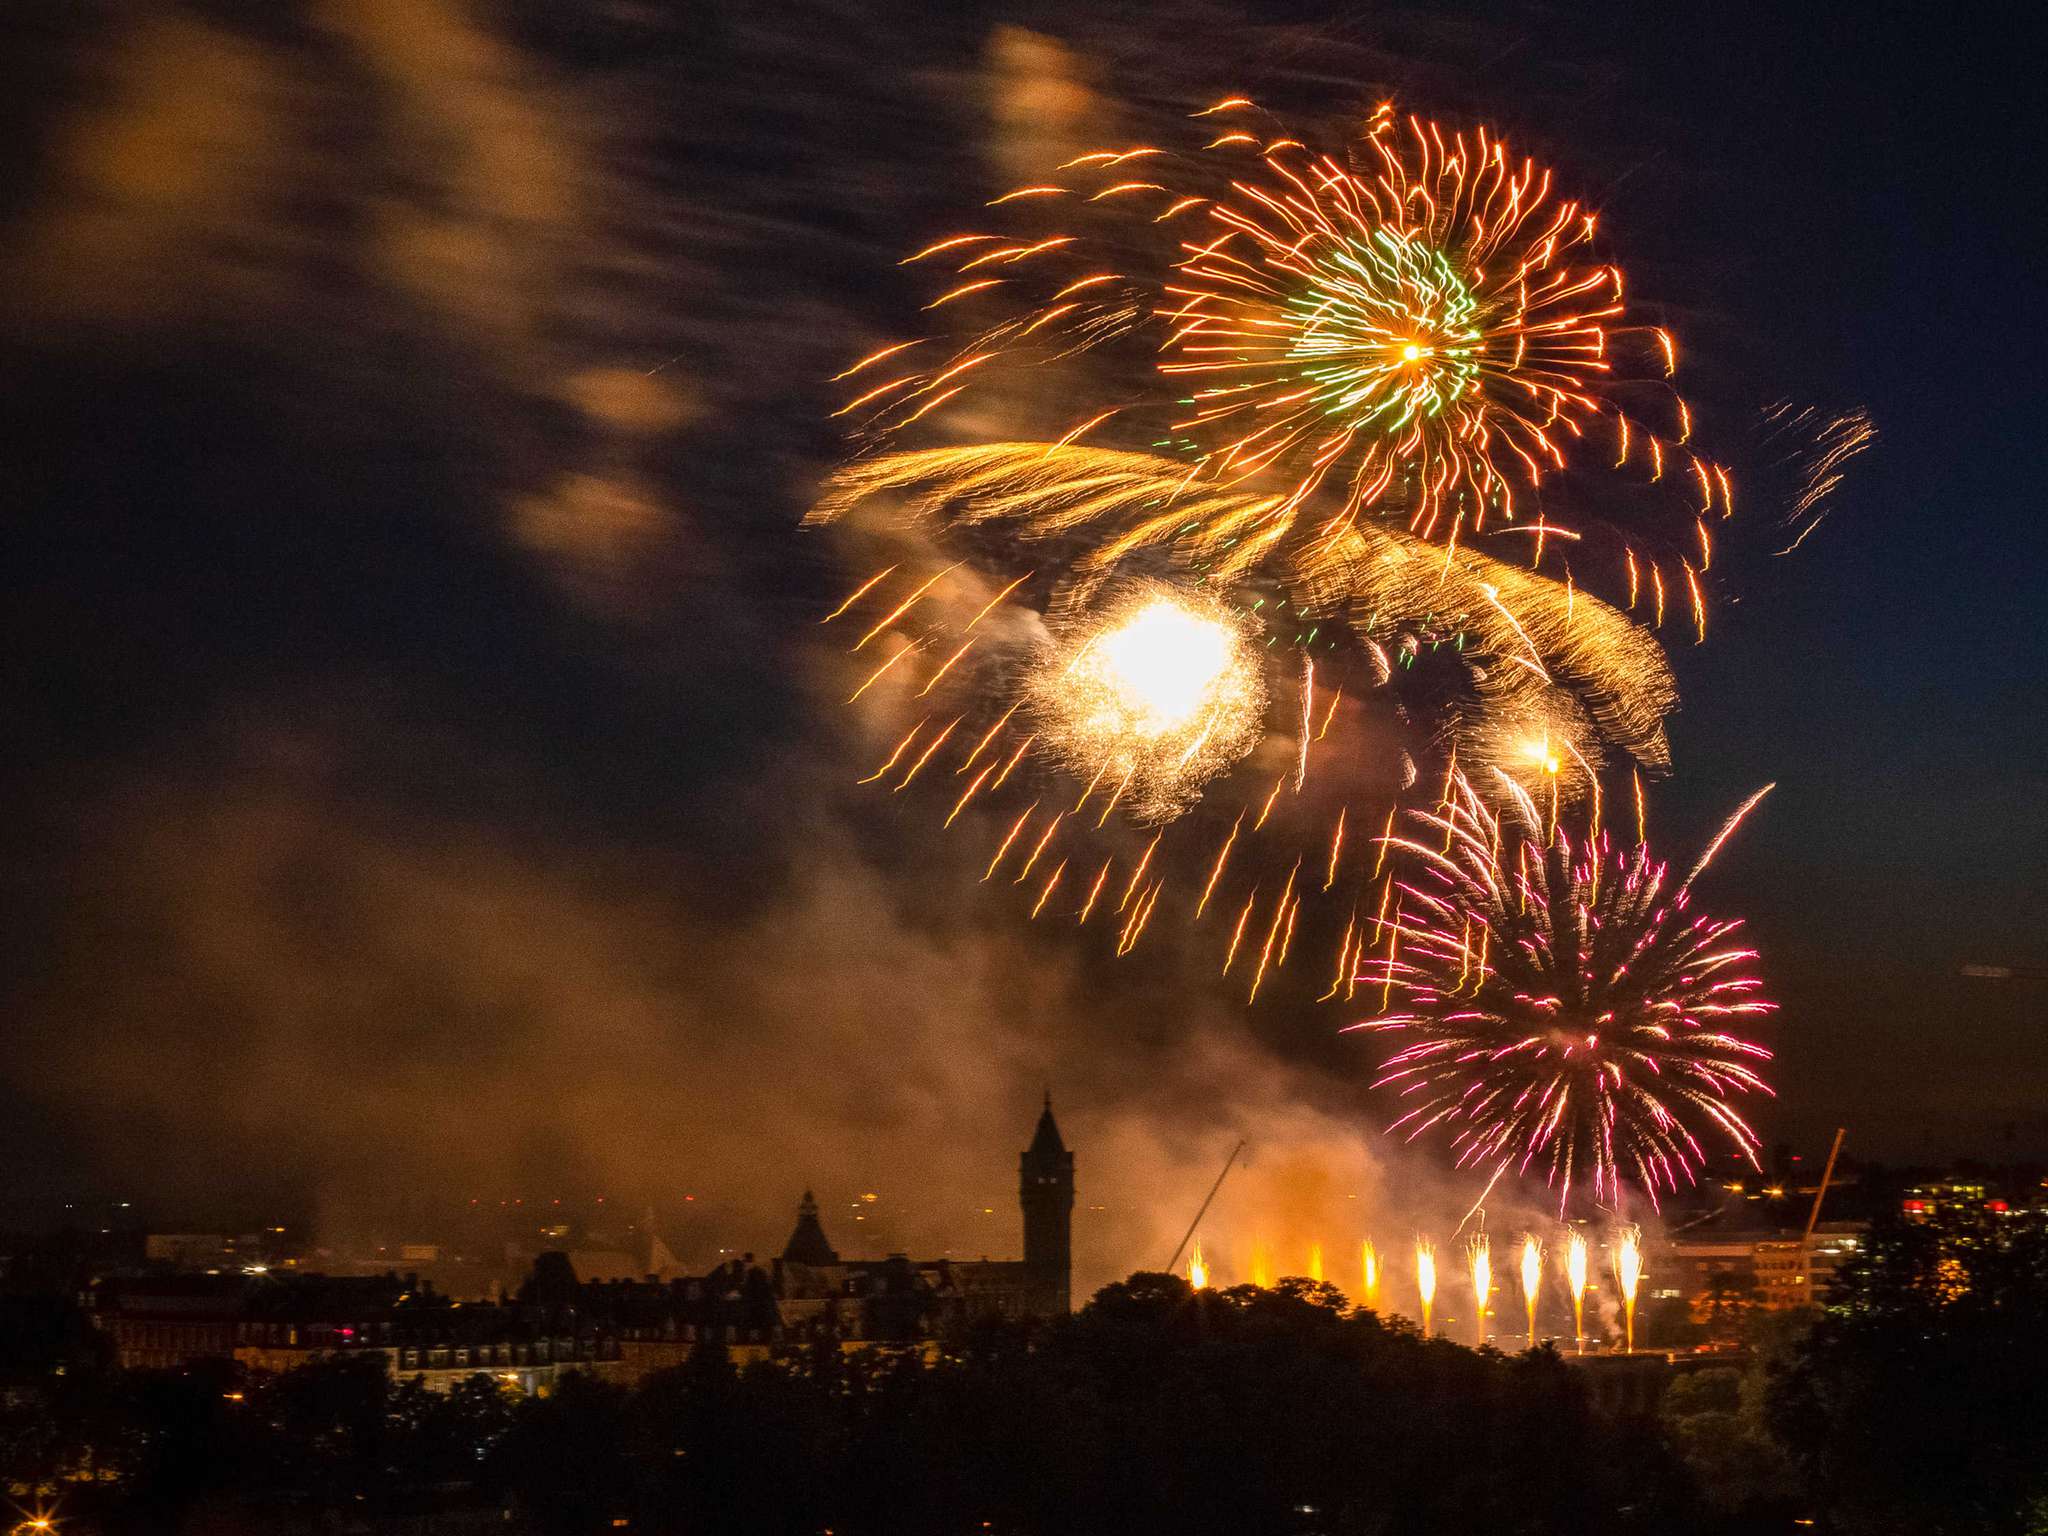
{"points": [[1827, 1175], [1229, 1163]]}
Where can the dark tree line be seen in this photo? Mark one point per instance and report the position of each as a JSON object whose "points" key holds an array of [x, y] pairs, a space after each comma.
{"points": [[1155, 1409], [1914, 1404], [1919, 1402]]}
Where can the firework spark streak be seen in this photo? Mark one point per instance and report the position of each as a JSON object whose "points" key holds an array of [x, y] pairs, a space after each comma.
{"points": [[1562, 1008], [1346, 372], [1425, 1279], [1532, 1279], [1412, 328], [1628, 1275], [1479, 1254], [1575, 1274], [1565, 662], [1817, 449]]}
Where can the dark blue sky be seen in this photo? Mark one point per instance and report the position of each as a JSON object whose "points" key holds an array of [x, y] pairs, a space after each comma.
{"points": [[1889, 676]]}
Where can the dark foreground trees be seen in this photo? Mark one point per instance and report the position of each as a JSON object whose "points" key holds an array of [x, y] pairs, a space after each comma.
{"points": [[1155, 1409], [1915, 1404], [1918, 1406]]}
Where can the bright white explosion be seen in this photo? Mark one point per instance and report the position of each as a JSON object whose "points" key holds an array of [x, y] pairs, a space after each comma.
{"points": [[1151, 697]]}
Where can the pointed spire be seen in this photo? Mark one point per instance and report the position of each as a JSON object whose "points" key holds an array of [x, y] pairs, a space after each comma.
{"points": [[1046, 1142], [808, 1243]]}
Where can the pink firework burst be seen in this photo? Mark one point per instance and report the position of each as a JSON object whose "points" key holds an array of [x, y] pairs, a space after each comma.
{"points": [[1561, 1008]]}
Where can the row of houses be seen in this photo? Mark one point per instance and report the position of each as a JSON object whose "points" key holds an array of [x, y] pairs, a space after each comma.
{"points": [[806, 1297]]}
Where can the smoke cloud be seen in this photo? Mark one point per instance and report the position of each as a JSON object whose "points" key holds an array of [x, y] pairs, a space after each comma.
{"points": [[449, 794]]}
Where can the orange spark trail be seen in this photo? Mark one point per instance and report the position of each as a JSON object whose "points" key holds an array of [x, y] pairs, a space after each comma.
{"points": [[1237, 933], [907, 603], [1044, 838], [961, 804], [1015, 758], [937, 742], [990, 604], [1216, 873], [876, 676], [858, 593], [1094, 891], [901, 747], [1009, 839], [1050, 885], [944, 667], [901, 346], [1138, 874]]}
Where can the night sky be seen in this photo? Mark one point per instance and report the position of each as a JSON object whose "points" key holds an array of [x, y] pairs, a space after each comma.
{"points": [[422, 764]]}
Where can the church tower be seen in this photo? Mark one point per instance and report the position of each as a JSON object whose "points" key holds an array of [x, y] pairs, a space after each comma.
{"points": [[1046, 1191]]}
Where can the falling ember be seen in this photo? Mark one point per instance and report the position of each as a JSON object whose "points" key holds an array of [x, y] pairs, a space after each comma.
{"points": [[1532, 1278], [1628, 1274], [1369, 1273], [1575, 1277], [1425, 1279], [1198, 1268]]}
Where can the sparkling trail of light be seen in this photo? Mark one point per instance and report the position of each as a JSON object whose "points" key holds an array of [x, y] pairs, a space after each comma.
{"points": [[1575, 1275], [1094, 891], [1425, 1280], [876, 676], [1587, 656], [1532, 1279], [1479, 1253], [1216, 873], [925, 756], [895, 756], [1009, 838], [1628, 1274], [906, 605], [858, 593], [1051, 885], [1588, 1037], [1416, 328]]}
